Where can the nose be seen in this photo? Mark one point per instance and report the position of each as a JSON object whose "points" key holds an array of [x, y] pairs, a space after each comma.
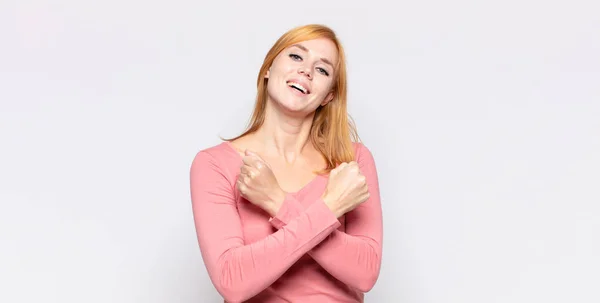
{"points": [[305, 71]]}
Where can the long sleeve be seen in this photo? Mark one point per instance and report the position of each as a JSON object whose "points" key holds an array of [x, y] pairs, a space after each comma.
{"points": [[353, 256], [240, 271]]}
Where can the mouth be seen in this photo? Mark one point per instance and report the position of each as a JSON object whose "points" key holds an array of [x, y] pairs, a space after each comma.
{"points": [[299, 87]]}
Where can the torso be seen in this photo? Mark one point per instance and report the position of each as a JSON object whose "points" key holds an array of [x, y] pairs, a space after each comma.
{"points": [[305, 280]]}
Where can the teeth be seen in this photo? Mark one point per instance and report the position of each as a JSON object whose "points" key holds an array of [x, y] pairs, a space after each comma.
{"points": [[298, 86]]}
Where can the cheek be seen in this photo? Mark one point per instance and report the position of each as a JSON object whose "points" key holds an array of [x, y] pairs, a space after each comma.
{"points": [[281, 66], [277, 74], [286, 69], [325, 87], [271, 84]]}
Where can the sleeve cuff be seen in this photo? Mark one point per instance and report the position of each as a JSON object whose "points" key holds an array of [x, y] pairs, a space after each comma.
{"points": [[285, 213], [291, 208], [320, 213]]}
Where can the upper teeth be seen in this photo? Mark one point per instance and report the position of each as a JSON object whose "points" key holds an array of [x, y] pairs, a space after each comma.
{"points": [[298, 86]]}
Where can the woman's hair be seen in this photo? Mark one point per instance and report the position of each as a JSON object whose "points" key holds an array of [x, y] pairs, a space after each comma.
{"points": [[333, 130]]}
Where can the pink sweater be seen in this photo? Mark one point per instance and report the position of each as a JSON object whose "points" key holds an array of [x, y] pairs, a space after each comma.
{"points": [[303, 254]]}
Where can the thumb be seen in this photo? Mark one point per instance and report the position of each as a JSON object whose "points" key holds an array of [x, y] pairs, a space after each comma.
{"points": [[257, 156]]}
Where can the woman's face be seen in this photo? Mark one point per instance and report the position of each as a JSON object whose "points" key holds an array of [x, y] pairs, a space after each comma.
{"points": [[301, 77]]}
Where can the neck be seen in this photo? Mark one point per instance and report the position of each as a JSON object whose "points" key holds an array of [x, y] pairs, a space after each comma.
{"points": [[284, 135]]}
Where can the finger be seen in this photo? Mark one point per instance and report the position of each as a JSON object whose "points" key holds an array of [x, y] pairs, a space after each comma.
{"points": [[353, 166], [253, 153], [244, 180], [255, 162], [260, 161], [336, 169], [249, 171], [341, 166], [244, 169], [249, 160], [243, 190]]}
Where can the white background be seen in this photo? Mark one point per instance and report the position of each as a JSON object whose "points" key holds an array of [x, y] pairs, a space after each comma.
{"points": [[483, 117]]}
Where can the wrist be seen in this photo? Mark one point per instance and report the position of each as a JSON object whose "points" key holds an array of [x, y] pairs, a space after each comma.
{"points": [[329, 203], [276, 202]]}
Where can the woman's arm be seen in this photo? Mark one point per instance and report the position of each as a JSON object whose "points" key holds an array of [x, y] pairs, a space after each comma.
{"points": [[240, 271], [353, 257]]}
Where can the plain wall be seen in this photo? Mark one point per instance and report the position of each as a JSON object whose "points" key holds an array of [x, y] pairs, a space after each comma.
{"points": [[483, 117]]}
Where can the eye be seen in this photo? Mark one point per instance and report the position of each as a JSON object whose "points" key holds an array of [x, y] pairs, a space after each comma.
{"points": [[295, 57], [323, 71]]}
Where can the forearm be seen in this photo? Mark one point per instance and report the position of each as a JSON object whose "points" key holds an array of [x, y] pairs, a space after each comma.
{"points": [[352, 259], [242, 271]]}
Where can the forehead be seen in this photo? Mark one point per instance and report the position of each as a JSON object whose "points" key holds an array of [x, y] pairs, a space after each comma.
{"points": [[321, 48]]}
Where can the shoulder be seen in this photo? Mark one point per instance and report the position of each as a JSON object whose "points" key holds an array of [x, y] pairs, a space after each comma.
{"points": [[366, 163], [220, 159], [222, 151], [361, 152], [364, 157]]}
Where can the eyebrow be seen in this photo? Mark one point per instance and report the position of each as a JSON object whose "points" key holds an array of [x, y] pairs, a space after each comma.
{"points": [[302, 47]]}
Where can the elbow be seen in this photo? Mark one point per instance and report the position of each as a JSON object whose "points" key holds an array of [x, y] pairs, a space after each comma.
{"points": [[232, 297], [232, 286], [369, 276], [367, 282], [233, 293]]}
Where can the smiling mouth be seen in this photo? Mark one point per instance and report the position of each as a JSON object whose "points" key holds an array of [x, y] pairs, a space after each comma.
{"points": [[299, 87]]}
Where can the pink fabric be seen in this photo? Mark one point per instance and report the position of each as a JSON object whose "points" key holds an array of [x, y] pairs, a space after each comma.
{"points": [[303, 254]]}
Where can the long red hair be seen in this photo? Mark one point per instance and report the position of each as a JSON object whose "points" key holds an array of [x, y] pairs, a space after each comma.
{"points": [[333, 129]]}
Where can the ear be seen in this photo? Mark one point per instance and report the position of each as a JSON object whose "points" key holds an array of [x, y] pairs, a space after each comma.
{"points": [[327, 99], [267, 73]]}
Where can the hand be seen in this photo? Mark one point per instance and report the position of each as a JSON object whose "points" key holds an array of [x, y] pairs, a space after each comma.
{"points": [[257, 184], [346, 189]]}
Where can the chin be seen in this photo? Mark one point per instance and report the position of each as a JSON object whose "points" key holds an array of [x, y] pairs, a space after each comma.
{"points": [[290, 105], [290, 102]]}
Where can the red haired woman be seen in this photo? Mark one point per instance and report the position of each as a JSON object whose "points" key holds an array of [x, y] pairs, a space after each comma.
{"points": [[289, 211]]}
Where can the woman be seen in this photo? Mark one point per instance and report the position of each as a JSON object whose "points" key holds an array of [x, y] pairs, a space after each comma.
{"points": [[289, 211]]}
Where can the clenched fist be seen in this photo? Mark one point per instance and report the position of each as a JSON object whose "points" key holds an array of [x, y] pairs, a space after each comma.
{"points": [[346, 188], [257, 184]]}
